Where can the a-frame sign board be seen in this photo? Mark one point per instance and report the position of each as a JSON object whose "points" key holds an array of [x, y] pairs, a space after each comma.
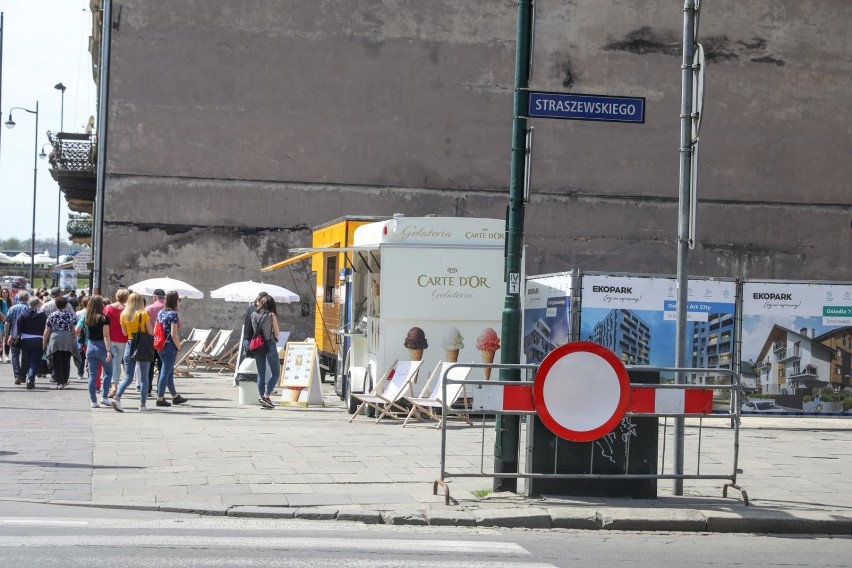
{"points": [[300, 378]]}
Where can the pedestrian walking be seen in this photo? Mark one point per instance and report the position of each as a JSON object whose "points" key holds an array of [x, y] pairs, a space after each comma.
{"points": [[170, 320], [15, 312], [30, 327], [264, 322], [98, 349], [153, 311], [118, 340], [59, 341], [5, 306], [134, 319], [81, 337]]}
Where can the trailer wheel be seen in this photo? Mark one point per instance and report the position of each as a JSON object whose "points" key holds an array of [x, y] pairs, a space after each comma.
{"points": [[351, 401]]}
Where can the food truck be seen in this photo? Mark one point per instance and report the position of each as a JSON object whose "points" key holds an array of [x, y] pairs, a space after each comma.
{"points": [[409, 288]]}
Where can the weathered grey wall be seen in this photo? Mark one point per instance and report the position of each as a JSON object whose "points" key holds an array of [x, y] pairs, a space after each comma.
{"points": [[235, 127]]}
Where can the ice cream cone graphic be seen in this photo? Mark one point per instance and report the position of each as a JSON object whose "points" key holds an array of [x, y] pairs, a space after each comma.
{"points": [[415, 342], [452, 342], [488, 343]]}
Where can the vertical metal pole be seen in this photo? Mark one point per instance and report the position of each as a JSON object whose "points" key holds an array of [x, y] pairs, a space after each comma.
{"points": [[35, 182], [59, 191], [103, 111], [508, 427], [683, 224]]}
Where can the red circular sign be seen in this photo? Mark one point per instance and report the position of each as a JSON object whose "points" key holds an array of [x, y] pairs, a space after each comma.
{"points": [[581, 391]]}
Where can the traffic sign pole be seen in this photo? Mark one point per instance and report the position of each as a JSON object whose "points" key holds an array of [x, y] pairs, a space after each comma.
{"points": [[508, 428]]}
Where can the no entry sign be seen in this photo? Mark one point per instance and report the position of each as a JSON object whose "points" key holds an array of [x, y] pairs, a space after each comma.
{"points": [[581, 391]]}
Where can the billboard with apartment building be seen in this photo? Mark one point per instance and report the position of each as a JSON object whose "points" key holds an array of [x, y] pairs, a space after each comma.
{"points": [[798, 337], [547, 315], [635, 317]]}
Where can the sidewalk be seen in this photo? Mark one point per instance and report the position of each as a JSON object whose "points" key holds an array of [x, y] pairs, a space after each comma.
{"points": [[212, 456]]}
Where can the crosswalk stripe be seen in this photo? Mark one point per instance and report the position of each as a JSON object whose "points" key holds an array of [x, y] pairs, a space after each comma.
{"points": [[411, 546]]}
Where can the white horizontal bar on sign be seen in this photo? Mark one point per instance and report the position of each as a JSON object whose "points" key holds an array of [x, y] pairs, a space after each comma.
{"points": [[487, 397]]}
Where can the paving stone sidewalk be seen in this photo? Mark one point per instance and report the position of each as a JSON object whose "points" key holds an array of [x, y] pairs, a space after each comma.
{"points": [[217, 457]]}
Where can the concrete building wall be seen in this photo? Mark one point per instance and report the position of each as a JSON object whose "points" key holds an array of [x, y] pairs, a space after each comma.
{"points": [[234, 127]]}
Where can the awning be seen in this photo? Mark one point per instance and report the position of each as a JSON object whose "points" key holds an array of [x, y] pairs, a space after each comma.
{"points": [[300, 256]]}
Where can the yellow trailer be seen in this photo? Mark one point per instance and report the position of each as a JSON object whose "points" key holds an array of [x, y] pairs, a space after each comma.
{"points": [[331, 261]]}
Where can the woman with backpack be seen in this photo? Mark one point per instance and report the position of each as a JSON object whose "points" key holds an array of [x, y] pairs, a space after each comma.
{"points": [[169, 319], [264, 323]]}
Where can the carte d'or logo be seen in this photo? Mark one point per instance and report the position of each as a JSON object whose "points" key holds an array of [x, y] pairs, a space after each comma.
{"points": [[453, 280], [484, 234]]}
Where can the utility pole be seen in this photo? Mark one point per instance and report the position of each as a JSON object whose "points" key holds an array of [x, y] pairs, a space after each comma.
{"points": [[683, 222], [508, 427]]}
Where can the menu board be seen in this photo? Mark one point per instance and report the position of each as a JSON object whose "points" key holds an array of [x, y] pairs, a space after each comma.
{"points": [[300, 378]]}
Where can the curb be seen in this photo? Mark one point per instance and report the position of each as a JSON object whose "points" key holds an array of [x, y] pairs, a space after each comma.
{"points": [[580, 518]]}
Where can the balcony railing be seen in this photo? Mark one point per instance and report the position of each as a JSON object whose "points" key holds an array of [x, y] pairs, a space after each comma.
{"points": [[80, 226], [806, 371], [72, 152], [779, 345]]}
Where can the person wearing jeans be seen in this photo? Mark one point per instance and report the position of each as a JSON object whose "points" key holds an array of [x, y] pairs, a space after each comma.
{"points": [[118, 339], [134, 320], [98, 350], [30, 327], [170, 320], [15, 311], [264, 322]]}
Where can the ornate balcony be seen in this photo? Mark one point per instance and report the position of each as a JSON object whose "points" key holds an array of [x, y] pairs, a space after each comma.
{"points": [[80, 229], [72, 165]]}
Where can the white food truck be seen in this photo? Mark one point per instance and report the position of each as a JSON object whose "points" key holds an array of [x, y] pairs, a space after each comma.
{"points": [[420, 288]]}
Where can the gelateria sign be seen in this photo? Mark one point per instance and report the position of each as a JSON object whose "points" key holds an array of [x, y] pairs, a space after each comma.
{"points": [[439, 283]]}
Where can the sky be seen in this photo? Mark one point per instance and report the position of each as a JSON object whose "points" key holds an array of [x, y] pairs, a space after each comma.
{"points": [[45, 42]]}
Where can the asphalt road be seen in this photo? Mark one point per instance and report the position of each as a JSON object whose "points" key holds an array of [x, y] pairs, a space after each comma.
{"points": [[44, 535]]}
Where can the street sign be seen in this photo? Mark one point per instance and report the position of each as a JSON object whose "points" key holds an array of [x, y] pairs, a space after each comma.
{"points": [[586, 107], [81, 262], [581, 391]]}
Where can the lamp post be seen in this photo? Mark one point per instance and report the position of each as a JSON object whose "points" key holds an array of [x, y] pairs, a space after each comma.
{"points": [[59, 87], [11, 124]]}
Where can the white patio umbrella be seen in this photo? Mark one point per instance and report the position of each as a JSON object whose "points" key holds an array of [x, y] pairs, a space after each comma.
{"points": [[21, 258], [42, 258], [247, 292], [184, 290]]}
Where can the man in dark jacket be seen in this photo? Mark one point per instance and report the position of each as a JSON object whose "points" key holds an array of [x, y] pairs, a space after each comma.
{"points": [[31, 326]]}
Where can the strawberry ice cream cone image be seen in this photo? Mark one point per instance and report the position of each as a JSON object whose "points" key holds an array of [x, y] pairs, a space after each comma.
{"points": [[488, 343], [415, 342]]}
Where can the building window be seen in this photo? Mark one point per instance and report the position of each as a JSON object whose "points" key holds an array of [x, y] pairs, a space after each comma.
{"points": [[330, 278]]}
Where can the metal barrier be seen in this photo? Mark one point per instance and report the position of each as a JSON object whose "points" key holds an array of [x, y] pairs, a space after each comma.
{"points": [[472, 387]]}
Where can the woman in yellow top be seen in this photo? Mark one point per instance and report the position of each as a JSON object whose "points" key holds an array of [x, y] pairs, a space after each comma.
{"points": [[133, 319]]}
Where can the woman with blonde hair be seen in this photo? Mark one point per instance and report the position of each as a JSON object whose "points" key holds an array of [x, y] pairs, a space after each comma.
{"points": [[134, 319]]}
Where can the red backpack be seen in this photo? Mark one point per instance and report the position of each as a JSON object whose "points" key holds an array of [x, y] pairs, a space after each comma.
{"points": [[159, 337]]}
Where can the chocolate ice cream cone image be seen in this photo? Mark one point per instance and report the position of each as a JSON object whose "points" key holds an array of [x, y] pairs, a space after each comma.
{"points": [[415, 342]]}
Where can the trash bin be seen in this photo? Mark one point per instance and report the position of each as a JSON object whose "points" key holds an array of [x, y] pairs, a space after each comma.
{"points": [[550, 454], [247, 382]]}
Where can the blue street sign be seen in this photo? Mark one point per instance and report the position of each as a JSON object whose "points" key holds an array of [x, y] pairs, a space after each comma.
{"points": [[587, 107]]}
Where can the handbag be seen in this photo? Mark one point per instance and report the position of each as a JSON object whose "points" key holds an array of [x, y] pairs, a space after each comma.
{"points": [[258, 345], [142, 344], [159, 337]]}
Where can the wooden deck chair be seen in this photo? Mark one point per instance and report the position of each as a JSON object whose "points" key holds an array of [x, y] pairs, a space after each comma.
{"points": [[214, 349], [429, 401], [182, 358], [203, 341], [389, 390], [228, 361]]}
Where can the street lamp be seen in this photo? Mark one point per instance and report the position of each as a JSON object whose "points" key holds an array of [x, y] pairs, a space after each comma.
{"points": [[59, 87], [11, 124]]}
